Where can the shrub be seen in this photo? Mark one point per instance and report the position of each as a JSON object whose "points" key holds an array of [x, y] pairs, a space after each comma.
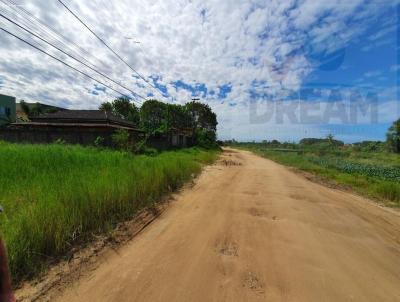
{"points": [[121, 139], [206, 138], [393, 137], [99, 141], [315, 141]]}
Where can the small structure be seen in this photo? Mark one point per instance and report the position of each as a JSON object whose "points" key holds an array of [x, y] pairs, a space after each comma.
{"points": [[175, 138], [72, 126], [7, 109], [180, 137]]}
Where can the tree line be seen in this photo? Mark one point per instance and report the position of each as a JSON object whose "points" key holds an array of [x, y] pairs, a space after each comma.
{"points": [[393, 136], [391, 144], [158, 118]]}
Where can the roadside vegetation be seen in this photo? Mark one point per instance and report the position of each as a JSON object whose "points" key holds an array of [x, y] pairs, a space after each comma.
{"points": [[371, 168], [57, 195], [158, 118]]}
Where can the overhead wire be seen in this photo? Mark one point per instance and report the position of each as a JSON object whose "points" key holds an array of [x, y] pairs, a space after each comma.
{"points": [[56, 36], [68, 65], [67, 54], [108, 47], [33, 23]]}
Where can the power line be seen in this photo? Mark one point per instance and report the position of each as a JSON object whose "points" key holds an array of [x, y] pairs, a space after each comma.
{"points": [[31, 21], [70, 66], [45, 28], [102, 41], [69, 55]]}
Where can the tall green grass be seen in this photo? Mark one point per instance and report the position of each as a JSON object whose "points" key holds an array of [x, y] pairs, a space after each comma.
{"points": [[54, 195]]}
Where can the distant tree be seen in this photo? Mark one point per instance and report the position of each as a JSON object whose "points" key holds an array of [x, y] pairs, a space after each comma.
{"points": [[159, 117], [106, 107], [36, 110], [393, 137], [369, 146], [51, 110], [317, 141], [25, 108], [123, 108], [203, 122], [126, 109], [202, 116], [153, 116], [178, 117], [230, 142], [330, 138]]}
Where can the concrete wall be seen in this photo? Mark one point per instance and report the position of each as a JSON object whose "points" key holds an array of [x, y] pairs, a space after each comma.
{"points": [[171, 141], [8, 109], [20, 133], [71, 135]]}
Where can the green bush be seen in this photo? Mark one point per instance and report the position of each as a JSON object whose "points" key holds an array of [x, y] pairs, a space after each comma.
{"points": [[206, 139], [393, 137], [121, 139], [99, 141]]}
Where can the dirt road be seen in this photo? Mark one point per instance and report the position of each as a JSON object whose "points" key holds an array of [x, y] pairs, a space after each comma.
{"points": [[255, 232]]}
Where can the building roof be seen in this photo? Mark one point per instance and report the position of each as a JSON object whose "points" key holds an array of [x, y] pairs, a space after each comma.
{"points": [[41, 106], [82, 116]]}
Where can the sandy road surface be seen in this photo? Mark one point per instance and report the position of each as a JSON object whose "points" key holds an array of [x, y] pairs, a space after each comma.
{"points": [[255, 232]]}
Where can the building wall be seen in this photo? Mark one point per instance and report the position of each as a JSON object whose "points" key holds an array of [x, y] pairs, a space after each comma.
{"points": [[7, 109], [175, 140], [71, 135], [20, 133], [171, 141]]}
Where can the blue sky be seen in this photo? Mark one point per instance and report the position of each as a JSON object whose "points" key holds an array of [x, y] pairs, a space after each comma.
{"points": [[270, 69], [368, 64]]}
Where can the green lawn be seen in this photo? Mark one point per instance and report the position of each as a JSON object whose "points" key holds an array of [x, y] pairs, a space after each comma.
{"points": [[373, 174], [55, 195]]}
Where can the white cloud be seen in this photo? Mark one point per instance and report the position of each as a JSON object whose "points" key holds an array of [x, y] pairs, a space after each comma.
{"points": [[395, 68], [233, 41], [374, 73]]}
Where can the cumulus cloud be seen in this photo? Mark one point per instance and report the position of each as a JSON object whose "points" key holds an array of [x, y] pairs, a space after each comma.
{"points": [[231, 52]]}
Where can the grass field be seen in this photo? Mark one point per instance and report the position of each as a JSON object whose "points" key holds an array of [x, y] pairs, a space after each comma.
{"points": [[56, 195], [373, 174]]}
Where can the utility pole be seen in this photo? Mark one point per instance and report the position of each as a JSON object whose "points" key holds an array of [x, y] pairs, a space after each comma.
{"points": [[194, 122], [194, 100]]}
